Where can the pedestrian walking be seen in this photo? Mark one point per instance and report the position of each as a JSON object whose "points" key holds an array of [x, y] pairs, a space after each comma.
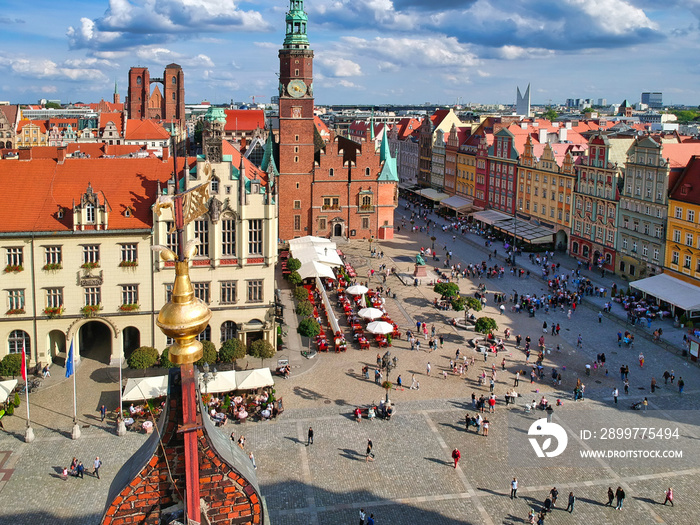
{"points": [[645, 404], [579, 341], [572, 501], [473, 400], [442, 341], [369, 455], [641, 360], [251, 457], [653, 385], [620, 497], [241, 441], [413, 382], [600, 317], [64, 473], [615, 393], [370, 520], [456, 456], [669, 496], [666, 376], [516, 381], [611, 497], [627, 386], [514, 489], [80, 469], [362, 516], [427, 369], [681, 385], [310, 438], [554, 494], [96, 467], [103, 413]]}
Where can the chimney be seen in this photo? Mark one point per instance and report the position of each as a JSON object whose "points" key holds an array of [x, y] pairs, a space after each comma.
{"points": [[25, 154], [166, 154], [543, 136], [61, 154], [562, 134]]}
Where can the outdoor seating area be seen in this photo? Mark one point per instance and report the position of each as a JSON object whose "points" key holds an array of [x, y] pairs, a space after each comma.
{"points": [[239, 407]]}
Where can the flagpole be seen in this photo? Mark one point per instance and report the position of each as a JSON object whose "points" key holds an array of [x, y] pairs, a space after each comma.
{"points": [[29, 432], [76, 427]]}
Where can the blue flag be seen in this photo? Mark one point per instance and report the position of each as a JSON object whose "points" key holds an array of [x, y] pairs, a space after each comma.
{"points": [[69, 361]]}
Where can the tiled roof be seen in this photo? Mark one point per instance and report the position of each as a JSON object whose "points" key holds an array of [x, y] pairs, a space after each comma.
{"points": [[680, 154], [244, 119], [100, 149], [322, 128], [251, 170], [117, 118], [40, 123], [687, 187], [10, 112], [48, 186], [146, 129], [439, 116]]}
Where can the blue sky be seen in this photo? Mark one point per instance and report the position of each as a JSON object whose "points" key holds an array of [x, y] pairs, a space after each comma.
{"points": [[366, 51]]}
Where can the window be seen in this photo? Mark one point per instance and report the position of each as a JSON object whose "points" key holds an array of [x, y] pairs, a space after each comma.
{"points": [[204, 335], [129, 253], [574, 247], [168, 293], [255, 239], [367, 172], [656, 254], [634, 246], [91, 254], [365, 223], [54, 297], [297, 205], [679, 213], [15, 256], [92, 296], [658, 231], [297, 222], [255, 291], [331, 172], [215, 185], [676, 236], [89, 212], [228, 331], [201, 291], [686, 263], [19, 339], [228, 292], [674, 257], [587, 229], [322, 224], [130, 294], [53, 255], [691, 215], [201, 234], [15, 299], [645, 250], [624, 243], [170, 238], [228, 237], [689, 239]]}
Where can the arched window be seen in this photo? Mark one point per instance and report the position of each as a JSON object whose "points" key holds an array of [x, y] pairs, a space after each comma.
{"points": [[331, 172], [366, 201], [205, 335], [574, 247], [585, 251], [215, 185], [174, 81], [228, 331], [90, 212], [138, 80], [367, 171], [173, 95], [17, 339]]}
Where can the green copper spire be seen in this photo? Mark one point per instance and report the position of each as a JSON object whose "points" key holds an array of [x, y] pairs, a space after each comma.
{"points": [[297, 21]]}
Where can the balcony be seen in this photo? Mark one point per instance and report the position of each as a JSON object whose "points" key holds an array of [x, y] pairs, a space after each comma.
{"points": [[365, 208]]}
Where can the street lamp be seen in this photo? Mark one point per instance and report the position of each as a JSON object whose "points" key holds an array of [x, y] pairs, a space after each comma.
{"points": [[515, 234], [207, 377]]}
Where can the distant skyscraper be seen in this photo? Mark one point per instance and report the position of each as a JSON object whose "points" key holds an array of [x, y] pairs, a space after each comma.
{"points": [[522, 102], [602, 102], [653, 100]]}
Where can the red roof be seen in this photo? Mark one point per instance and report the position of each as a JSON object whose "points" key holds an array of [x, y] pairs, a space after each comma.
{"points": [[244, 119], [146, 129], [687, 187], [117, 118], [40, 123], [10, 112], [100, 149], [48, 186], [72, 122], [680, 154], [251, 170], [322, 128]]}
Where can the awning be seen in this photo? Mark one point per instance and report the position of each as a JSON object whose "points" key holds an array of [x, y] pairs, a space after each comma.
{"points": [[458, 204], [315, 269], [223, 382], [432, 194], [329, 309], [308, 249], [145, 388], [669, 289], [525, 231], [490, 216], [252, 379], [6, 388]]}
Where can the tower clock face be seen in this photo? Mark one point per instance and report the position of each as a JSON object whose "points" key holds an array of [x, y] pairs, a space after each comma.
{"points": [[296, 88]]}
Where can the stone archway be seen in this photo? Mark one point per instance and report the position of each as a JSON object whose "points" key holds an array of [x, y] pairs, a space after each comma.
{"points": [[94, 341], [561, 241], [56, 344], [131, 340], [337, 227]]}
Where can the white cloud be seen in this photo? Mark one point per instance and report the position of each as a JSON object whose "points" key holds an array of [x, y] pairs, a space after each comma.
{"points": [[617, 17], [517, 52], [340, 67], [162, 55], [44, 68], [48, 89]]}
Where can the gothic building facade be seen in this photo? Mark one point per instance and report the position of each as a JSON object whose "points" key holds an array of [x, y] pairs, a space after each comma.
{"points": [[168, 104]]}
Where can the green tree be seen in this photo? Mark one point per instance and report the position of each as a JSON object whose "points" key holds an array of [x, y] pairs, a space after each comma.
{"points": [[305, 308], [309, 327], [209, 355], [587, 110], [11, 365], [294, 278], [262, 349], [293, 264], [550, 115], [485, 325], [198, 127], [446, 289], [458, 304], [52, 105], [165, 361], [143, 357], [472, 303], [231, 350], [300, 294]]}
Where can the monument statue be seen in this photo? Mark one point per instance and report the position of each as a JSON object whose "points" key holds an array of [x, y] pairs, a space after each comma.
{"points": [[419, 260]]}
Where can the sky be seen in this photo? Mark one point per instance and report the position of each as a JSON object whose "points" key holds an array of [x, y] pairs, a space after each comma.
{"points": [[366, 51]]}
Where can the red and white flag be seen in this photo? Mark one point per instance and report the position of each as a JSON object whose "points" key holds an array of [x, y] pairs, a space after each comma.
{"points": [[24, 363]]}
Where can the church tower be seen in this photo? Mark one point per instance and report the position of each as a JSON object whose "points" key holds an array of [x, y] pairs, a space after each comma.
{"points": [[296, 126]]}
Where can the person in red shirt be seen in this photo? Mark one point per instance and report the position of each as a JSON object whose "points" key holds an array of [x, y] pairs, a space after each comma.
{"points": [[456, 455]]}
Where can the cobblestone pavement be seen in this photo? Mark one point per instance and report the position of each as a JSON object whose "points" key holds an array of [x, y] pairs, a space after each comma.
{"points": [[411, 479]]}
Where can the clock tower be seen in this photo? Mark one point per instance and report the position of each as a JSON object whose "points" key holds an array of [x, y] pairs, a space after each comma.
{"points": [[296, 126]]}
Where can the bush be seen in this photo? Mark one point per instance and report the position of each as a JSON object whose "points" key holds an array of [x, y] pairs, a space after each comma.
{"points": [[300, 293], [210, 354], [231, 350], [447, 289], [10, 409], [305, 308], [11, 365], [165, 361], [386, 385], [472, 303], [143, 357], [262, 349], [309, 328], [293, 264], [485, 325], [458, 304], [294, 278], [16, 400]]}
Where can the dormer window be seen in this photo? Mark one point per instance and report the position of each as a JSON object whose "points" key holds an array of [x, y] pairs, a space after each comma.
{"points": [[90, 212], [60, 213], [127, 212], [215, 185]]}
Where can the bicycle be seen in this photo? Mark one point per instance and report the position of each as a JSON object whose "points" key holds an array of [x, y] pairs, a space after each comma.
{"points": [[32, 384]]}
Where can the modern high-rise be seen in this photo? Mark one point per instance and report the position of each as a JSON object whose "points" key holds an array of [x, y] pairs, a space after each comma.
{"points": [[653, 99], [522, 102]]}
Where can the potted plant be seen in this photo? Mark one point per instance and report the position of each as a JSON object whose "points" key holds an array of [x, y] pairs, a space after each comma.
{"points": [[90, 310], [90, 265], [53, 311], [14, 268], [128, 307], [15, 311], [52, 267], [128, 264]]}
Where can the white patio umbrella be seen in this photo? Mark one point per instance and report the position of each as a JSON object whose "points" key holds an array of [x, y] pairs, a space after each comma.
{"points": [[370, 313], [357, 289], [380, 327]]}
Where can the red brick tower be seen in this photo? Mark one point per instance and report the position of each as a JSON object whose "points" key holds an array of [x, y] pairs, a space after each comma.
{"points": [[296, 126], [173, 93], [139, 92]]}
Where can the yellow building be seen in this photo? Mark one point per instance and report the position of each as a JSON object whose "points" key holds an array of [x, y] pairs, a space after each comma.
{"points": [[466, 171], [683, 230], [31, 133]]}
